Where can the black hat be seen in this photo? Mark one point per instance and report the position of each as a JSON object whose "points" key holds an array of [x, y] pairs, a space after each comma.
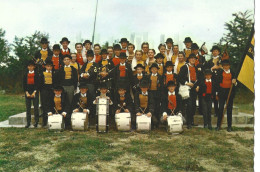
{"points": [[194, 46], [144, 83], [223, 62], [215, 47], [87, 41], [64, 39], [122, 56], [121, 85], [57, 87], [67, 55], [103, 85], [187, 39], [90, 53], [104, 51], [117, 47], [56, 47], [31, 62], [169, 63], [83, 85], [124, 40], [169, 40], [207, 72], [192, 56], [139, 65], [48, 62], [171, 83], [159, 55], [154, 65], [44, 40]]}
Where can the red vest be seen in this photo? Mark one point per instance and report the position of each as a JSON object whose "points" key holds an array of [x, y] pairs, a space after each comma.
{"points": [[209, 87], [169, 77], [116, 61], [65, 53], [80, 59], [172, 102], [56, 62], [123, 51], [98, 58], [227, 80], [30, 78], [192, 73], [122, 71]]}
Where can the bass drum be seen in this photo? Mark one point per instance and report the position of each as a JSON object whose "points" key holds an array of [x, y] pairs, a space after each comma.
{"points": [[56, 122], [102, 112], [79, 121], [123, 121], [175, 124], [143, 123]]}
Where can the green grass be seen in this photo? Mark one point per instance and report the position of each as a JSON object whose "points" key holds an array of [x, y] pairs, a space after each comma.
{"points": [[244, 99]]}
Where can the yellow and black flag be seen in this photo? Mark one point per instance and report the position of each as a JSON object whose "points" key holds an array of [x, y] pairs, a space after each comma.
{"points": [[246, 70]]}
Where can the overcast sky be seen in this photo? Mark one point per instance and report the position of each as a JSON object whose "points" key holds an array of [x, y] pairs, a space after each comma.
{"points": [[202, 20]]}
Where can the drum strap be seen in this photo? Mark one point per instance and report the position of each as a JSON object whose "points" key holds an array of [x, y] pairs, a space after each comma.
{"points": [[142, 110], [80, 103], [172, 110]]}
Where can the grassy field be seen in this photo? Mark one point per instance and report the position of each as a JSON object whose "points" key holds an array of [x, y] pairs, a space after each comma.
{"points": [[194, 150]]}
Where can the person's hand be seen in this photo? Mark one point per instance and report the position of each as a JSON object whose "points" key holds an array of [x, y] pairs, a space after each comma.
{"points": [[85, 110], [138, 114], [165, 117], [85, 75], [63, 114], [217, 98], [197, 89], [149, 114], [234, 81], [190, 84], [27, 94], [117, 111], [126, 110], [33, 95], [50, 113], [75, 110]]}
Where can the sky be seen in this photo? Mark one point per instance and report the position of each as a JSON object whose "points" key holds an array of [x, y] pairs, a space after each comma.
{"points": [[202, 20]]}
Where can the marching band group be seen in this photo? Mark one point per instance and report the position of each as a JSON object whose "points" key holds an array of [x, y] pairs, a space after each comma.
{"points": [[138, 82]]}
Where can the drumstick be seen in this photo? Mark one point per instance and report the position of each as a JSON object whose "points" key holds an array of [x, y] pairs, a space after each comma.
{"points": [[142, 110], [56, 110]]}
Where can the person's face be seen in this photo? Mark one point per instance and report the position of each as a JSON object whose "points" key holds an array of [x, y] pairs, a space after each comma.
{"points": [[130, 48], [180, 57], [226, 66], [66, 61], [215, 53], [192, 60], [162, 49], [145, 48], [90, 58], [187, 44], [138, 56], [169, 68], [97, 50], [169, 45], [154, 70], [195, 51], [87, 46], [44, 45], [123, 44], [175, 49], [171, 88], [104, 56], [74, 57], [31, 67], [121, 92], [79, 48], [150, 54], [159, 60], [110, 52], [208, 76], [103, 90], [57, 92], [48, 67], [56, 52], [65, 44], [117, 52], [139, 70], [122, 60], [144, 89], [83, 90]]}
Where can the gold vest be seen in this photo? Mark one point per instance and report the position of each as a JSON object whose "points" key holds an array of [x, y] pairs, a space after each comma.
{"points": [[47, 77], [88, 67], [44, 55], [57, 101], [84, 101], [143, 101], [68, 72], [160, 71], [154, 82]]}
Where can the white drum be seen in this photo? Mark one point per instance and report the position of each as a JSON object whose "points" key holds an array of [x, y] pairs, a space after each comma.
{"points": [[175, 124], [123, 121], [102, 112], [79, 121], [143, 123], [55, 122]]}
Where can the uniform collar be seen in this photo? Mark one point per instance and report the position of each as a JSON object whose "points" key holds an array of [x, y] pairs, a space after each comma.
{"points": [[91, 61], [215, 57], [169, 72], [83, 95], [65, 50], [48, 71], [44, 49], [208, 80], [139, 74], [191, 65], [154, 74], [227, 71], [170, 94], [145, 94], [31, 72], [122, 64], [67, 66], [55, 55], [58, 95], [122, 95], [159, 64]]}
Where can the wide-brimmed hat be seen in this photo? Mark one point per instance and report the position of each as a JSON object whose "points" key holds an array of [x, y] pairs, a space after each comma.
{"points": [[169, 63], [44, 40], [82, 85], [122, 56], [187, 39], [117, 47], [64, 39], [215, 47], [87, 41], [56, 47], [194, 46], [124, 40], [159, 55], [57, 87], [154, 65], [207, 72], [139, 65], [171, 83], [169, 40]]}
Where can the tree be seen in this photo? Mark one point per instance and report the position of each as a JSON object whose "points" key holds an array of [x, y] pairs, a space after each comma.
{"points": [[4, 48], [238, 32]]}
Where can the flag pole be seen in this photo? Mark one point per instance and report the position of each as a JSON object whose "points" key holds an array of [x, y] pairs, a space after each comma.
{"points": [[93, 36]]}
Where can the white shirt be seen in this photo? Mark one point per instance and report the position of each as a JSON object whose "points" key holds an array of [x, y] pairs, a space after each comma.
{"points": [[67, 66], [55, 55], [83, 95], [169, 72], [159, 64], [65, 50], [170, 94], [227, 71], [140, 74], [58, 95], [208, 80], [145, 94], [44, 49], [154, 74], [48, 71], [122, 64], [215, 57], [31, 72]]}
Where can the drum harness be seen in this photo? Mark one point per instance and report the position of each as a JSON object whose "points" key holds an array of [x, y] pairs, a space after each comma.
{"points": [[172, 110]]}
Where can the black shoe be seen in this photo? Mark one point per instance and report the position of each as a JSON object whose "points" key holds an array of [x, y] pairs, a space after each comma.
{"points": [[27, 126], [189, 127], [229, 129], [35, 125], [205, 126], [210, 127], [217, 129]]}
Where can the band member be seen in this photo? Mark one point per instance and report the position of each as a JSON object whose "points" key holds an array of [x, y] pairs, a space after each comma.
{"points": [[159, 60], [191, 76], [124, 42], [47, 80], [145, 48], [203, 49], [150, 60], [86, 46], [130, 53], [175, 50], [144, 102], [110, 51], [97, 49], [117, 51], [226, 78], [31, 89], [88, 73], [74, 62], [179, 63], [79, 48], [206, 90], [200, 59], [57, 57], [162, 49], [43, 54], [169, 75], [169, 52], [138, 77], [156, 86], [187, 50], [137, 60], [58, 104], [65, 49], [171, 102]]}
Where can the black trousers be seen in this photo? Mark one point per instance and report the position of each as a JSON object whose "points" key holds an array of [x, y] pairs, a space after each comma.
{"points": [[206, 109], [28, 102], [223, 95], [216, 103], [157, 105], [191, 107], [46, 96]]}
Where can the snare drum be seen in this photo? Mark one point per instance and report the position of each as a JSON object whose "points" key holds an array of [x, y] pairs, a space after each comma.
{"points": [[175, 124], [79, 121], [123, 121], [143, 123], [56, 122], [102, 112]]}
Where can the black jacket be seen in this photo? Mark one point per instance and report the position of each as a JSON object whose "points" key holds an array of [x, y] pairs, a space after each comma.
{"points": [[38, 54], [64, 103], [128, 102], [150, 106], [31, 87], [136, 81], [76, 100], [61, 77], [160, 85], [224, 91], [42, 80], [165, 101], [109, 68], [127, 80], [92, 73], [203, 87]]}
